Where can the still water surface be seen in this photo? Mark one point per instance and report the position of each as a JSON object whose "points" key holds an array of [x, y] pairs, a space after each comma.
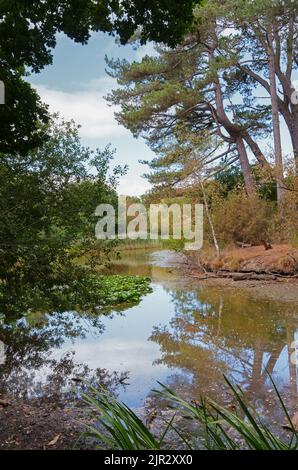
{"points": [[182, 334]]}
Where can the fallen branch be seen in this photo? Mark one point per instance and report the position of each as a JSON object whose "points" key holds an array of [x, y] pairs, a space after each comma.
{"points": [[244, 245], [267, 245], [243, 276]]}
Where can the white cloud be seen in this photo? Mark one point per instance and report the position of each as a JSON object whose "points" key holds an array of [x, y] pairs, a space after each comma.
{"points": [[87, 107], [133, 184], [101, 85], [147, 49]]}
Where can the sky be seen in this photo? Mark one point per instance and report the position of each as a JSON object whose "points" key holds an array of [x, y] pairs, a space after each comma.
{"points": [[75, 86]]}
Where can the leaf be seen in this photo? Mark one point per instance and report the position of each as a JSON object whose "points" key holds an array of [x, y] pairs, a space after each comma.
{"points": [[54, 441], [294, 422], [4, 403]]}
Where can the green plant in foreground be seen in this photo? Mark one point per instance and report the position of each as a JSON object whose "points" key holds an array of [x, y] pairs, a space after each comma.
{"points": [[118, 427]]}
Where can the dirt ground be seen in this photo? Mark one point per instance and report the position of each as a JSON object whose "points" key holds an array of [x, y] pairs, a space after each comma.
{"points": [[281, 259], [280, 263], [41, 426], [277, 251], [284, 290]]}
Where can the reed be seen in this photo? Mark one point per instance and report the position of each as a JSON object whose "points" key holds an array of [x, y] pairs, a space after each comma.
{"points": [[118, 427]]}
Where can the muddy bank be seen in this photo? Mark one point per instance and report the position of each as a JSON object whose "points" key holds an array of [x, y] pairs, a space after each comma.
{"points": [[284, 290], [279, 260], [189, 267], [250, 268], [44, 426]]}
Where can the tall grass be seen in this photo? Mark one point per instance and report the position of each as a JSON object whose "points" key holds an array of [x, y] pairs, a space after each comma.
{"points": [[118, 427], [139, 244]]}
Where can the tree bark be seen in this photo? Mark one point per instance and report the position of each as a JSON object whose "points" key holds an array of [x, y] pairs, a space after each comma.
{"points": [[216, 245], [236, 133], [294, 136], [287, 108], [234, 130], [245, 166], [256, 150], [275, 119]]}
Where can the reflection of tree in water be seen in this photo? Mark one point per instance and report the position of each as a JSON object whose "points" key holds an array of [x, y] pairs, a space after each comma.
{"points": [[30, 369], [216, 333]]}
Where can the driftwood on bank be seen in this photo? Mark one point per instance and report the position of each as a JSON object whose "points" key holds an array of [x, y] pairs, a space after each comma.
{"points": [[267, 245], [244, 245], [243, 276]]}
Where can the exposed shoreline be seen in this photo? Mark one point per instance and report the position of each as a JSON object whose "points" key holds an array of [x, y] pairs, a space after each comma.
{"points": [[279, 261], [287, 288], [251, 268]]}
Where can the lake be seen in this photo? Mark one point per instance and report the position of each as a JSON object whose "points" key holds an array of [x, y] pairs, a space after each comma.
{"points": [[183, 334]]}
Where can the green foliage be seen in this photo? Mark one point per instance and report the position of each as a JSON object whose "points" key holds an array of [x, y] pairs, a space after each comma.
{"points": [[242, 218], [33, 25], [79, 290], [170, 100], [47, 200], [138, 244], [28, 34], [194, 103], [21, 116], [221, 424], [230, 179], [222, 429], [112, 290], [172, 244], [118, 426]]}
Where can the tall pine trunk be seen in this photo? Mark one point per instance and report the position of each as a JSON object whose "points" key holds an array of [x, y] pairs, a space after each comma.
{"points": [[275, 119], [235, 133], [245, 166], [231, 128], [294, 135]]}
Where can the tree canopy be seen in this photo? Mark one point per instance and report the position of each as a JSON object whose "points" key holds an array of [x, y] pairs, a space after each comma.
{"points": [[48, 198], [28, 28], [199, 103], [28, 35]]}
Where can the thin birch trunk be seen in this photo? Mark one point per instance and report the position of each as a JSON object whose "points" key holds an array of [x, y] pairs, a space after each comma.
{"points": [[210, 221], [275, 119]]}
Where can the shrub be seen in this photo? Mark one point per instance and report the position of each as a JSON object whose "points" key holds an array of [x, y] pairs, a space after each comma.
{"points": [[242, 218]]}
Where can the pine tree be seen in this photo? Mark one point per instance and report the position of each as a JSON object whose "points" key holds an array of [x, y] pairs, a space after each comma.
{"points": [[186, 94]]}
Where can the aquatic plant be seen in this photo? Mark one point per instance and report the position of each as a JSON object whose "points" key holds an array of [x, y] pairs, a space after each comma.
{"points": [[113, 290], [87, 292]]}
